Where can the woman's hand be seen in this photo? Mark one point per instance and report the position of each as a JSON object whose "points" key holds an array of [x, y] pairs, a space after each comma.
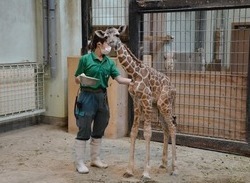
{"points": [[122, 80], [77, 80]]}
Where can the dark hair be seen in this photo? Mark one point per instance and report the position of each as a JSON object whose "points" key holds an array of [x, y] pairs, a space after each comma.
{"points": [[95, 40]]}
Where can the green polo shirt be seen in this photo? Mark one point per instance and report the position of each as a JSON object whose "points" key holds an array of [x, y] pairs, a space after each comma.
{"points": [[91, 66]]}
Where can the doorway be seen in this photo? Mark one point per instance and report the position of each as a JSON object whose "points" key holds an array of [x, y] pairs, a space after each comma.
{"points": [[240, 47]]}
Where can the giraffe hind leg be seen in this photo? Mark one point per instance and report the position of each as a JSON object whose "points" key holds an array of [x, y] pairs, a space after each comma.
{"points": [[164, 160], [165, 150], [173, 143], [172, 96], [168, 125]]}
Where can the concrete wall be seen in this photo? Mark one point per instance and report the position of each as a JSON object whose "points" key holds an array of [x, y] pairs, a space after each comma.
{"points": [[21, 39], [18, 31]]}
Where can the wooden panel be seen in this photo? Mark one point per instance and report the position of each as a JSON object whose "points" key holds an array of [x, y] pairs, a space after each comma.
{"points": [[209, 104], [212, 104], [240, 47], [72, 92]]}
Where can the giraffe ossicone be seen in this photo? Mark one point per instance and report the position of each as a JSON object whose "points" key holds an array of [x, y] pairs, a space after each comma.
{"points": [[150, 86]]}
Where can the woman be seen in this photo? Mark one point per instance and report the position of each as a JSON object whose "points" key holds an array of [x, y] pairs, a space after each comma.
{"points": [[92, 104]]}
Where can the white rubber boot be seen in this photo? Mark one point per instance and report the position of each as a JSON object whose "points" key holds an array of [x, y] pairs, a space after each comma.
{"points": [[80, 146], [95, 147]]}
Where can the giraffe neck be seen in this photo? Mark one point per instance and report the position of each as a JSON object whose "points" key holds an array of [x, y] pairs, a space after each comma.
{"points": [[126, 59]]}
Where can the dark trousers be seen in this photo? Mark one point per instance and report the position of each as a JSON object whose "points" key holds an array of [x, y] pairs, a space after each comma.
{"points": [[92, 115]]}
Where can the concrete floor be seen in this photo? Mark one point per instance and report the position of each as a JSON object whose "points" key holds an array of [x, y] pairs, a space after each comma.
{"points": [[43, 154]]}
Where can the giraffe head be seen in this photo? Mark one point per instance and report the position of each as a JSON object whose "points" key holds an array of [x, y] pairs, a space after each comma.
{"points": [[112, 35]]}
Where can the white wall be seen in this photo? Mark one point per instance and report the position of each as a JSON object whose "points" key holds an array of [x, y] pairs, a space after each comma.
{"points": [[17, 31], [21, 38]]}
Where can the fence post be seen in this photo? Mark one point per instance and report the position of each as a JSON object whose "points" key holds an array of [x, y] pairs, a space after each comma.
{"points": [[85, 13], [134, 38], [248, 101], [134, 27]]}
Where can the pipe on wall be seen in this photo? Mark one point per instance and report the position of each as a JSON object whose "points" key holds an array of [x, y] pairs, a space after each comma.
{"points": [[52, 37], [49, 36], [45, 32]]}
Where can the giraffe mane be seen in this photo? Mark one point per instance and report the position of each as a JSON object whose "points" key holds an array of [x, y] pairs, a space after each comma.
{"points": [[132, 55]]}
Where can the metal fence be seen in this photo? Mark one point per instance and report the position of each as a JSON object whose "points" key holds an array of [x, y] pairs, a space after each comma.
{"points": [[210, 53], [21, 90], [211, 62]]}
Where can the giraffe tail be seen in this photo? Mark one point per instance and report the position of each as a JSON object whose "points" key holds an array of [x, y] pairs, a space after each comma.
{"points": [[173, 93], [174, 120]]}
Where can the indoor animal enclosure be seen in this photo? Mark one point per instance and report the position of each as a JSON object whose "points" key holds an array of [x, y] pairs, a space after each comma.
{"points": [[211, 62]]}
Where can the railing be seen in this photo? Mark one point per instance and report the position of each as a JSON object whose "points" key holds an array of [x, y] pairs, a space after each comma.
{"points": [[21, 90]]}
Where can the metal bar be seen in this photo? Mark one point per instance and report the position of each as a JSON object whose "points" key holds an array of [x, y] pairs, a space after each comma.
{"points": [[85, 13], [134, 27], [21, 115], [248, 100], [192, 5], [134, 38], [208, 143]]}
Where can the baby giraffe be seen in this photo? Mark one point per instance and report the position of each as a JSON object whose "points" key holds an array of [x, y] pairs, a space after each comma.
{"points": [[150, 86]]}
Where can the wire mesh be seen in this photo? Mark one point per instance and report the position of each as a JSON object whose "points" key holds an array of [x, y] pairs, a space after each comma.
{"points": [[210, 51], [211, 55], [21, 90], [109, 12]]}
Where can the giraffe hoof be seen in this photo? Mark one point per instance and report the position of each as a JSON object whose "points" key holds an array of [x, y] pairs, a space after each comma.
{"points": [[127, 175], [163, 166], [146, 179], [174, 173]]}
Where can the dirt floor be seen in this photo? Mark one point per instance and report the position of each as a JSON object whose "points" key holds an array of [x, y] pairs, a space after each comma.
{"points": [[43, 154]]}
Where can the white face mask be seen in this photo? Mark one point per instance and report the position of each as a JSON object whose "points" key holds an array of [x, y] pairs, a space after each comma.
{"points": [[106, 50]]}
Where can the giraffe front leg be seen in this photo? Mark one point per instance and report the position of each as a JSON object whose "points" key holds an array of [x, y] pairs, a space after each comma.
{"points": [[130, 169], [133, 134]]}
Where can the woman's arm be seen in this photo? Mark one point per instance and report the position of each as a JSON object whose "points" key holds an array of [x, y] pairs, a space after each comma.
{"points": [[122, 80]]}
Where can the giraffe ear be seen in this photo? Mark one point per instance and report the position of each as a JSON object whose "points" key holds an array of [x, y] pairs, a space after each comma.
{"points": [[100, 33], [122, 29]]}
